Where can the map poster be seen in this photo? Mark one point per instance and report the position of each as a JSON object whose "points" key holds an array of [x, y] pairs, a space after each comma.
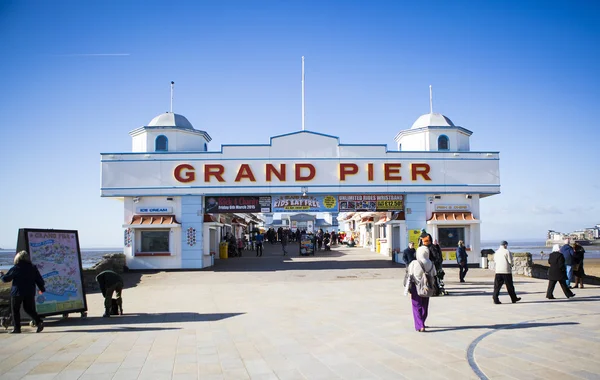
{"points": [[301, 203], [307, 244], [57, 256], [371, 202]]}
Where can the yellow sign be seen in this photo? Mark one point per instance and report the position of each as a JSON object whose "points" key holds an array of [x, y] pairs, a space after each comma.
{"points": [[451, 255], [413, 237]]}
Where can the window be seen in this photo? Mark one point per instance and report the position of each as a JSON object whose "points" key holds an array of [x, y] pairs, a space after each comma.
{"points": [[205, 147], [443, 143], [382, 232], [155, 241], [449, 236], [161, 144]]}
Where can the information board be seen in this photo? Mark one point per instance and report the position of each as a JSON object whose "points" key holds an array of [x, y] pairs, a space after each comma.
{"points": [[230, 204], [307, 244], [304, 203], [57, 255], [371, 202]]}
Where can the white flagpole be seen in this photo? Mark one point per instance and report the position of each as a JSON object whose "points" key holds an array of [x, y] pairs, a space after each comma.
{"points": [[430, 100], [172, 88], [303, 93]]}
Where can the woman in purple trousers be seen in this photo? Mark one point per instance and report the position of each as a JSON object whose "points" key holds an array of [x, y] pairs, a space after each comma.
{"points": [[412, 281]]}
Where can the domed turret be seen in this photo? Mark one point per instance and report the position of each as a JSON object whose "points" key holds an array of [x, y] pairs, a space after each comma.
{"points": [[170, 119], [432, 120]]}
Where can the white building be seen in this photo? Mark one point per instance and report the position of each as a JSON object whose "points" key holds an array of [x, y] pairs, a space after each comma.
{"points": [[171, 186]]}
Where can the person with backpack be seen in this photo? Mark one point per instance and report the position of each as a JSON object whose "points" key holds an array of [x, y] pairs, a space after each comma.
{"points": [[419, 282]]}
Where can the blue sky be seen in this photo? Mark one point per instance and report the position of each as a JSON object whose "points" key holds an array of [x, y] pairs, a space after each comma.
{"points": [[78, 76]]}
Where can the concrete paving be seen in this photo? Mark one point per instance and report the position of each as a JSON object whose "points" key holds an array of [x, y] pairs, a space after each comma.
{"points": [[338, 315]]}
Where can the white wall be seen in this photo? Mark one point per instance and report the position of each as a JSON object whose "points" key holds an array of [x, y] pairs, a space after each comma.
{"points": [[192, 217], [138, 143], [153, 262], [179, 140], [417, 142]]}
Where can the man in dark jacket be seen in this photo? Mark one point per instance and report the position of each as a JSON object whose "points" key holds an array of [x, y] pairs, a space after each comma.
{"points": [[409, 254], [461, 259], [568, 253], [110, 282], [557, 273], [24, 276]]}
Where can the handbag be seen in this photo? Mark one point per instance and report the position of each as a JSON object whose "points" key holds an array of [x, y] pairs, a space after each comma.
{"points": [[575, 267]]}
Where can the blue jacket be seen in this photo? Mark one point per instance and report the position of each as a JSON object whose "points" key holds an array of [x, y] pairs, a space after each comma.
{"points": [[461, 254], [24, 276], [567, 252]]}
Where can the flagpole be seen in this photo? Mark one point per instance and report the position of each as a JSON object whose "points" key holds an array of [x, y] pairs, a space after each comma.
{"points": [[430, 100], [303, 93], [172, 88]]}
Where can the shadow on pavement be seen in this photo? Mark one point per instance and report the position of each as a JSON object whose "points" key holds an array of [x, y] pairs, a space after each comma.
{"points": [[500, 326], [281, 264], [488, 291], [115, 329], [139, 318], [574, 299]]}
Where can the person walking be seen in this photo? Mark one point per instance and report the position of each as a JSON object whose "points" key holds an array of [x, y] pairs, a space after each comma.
{"points": [[409, 254], [413, 281], [110, 282], [557, 273], [461, 259], [568, 253], [259, 244], [504, 263], [24, 276], [578, 265], [284, 241]]}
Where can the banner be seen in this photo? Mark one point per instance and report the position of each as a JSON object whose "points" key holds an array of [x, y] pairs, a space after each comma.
{"points": [[309, 203], [371, 202], [413, 237], [231, 204], [58, 258]]}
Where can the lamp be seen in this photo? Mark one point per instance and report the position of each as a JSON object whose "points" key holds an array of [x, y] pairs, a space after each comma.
{"points": [[304, 190], [136, 199], [468, 196]]}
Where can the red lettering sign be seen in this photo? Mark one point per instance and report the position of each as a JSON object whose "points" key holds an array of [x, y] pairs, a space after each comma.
{"points": [[311, 171], [389, 171], [184, 176], [215, 170], [420, 169], [347, 169], [245, 172], [272, 171]]}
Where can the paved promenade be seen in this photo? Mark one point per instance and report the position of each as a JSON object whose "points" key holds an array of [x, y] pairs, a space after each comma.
{"points": [[340, 316]]}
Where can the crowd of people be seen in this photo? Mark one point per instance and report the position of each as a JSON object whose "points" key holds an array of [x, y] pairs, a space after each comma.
{"points": [[423, 268], [423, 278]]}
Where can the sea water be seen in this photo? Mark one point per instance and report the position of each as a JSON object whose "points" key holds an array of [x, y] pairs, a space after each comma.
{"points": [[89, 256]]}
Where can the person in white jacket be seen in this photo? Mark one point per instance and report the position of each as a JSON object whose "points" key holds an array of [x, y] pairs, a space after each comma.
{"points": [[504, 264], [414, 274]]}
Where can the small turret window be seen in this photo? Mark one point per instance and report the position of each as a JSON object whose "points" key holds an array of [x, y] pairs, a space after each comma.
{"points": [[161, 144], [443, 143], [205, 147]]}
